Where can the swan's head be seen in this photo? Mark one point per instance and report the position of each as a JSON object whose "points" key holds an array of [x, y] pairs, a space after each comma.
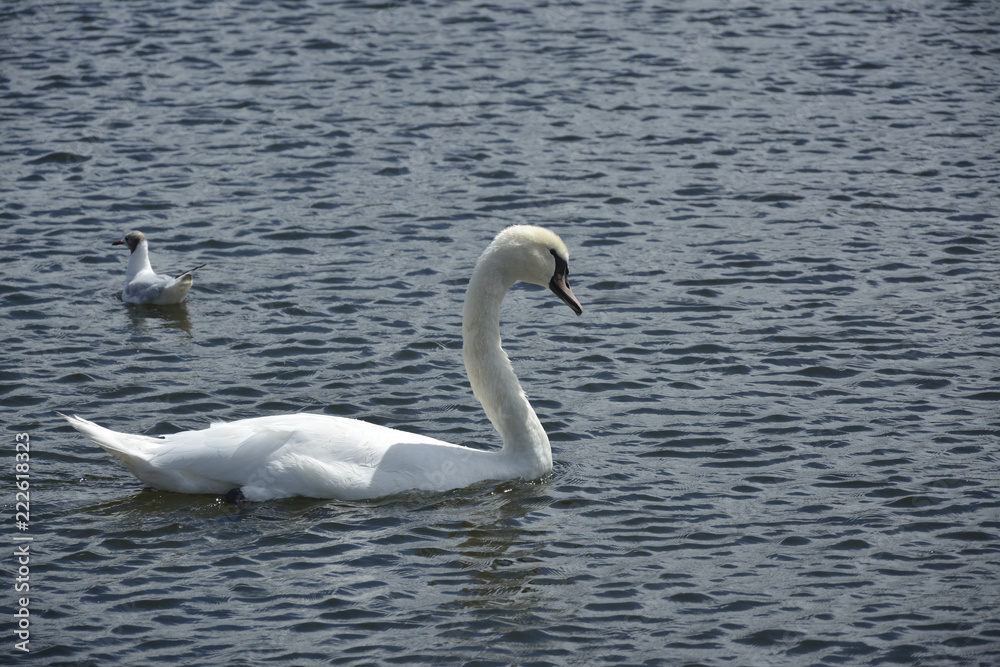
{"points": [[132, 240], [534, 255]]}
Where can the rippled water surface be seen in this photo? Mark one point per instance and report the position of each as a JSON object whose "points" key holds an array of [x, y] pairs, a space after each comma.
{"points": [[775, 425]]}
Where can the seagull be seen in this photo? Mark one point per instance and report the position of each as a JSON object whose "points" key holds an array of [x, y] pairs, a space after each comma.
{"points": [[144, 286]]}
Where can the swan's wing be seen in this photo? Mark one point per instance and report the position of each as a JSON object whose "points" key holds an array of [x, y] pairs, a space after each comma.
{"points": [[212, 460], [301, 454], [334, 457], [225, 451]]}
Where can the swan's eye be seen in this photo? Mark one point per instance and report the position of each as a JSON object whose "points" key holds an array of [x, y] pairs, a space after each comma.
{"points": [[562, 267]]}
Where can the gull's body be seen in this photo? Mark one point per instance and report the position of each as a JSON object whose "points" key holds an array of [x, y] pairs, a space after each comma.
{"points": [[142, 284], [322, 456]]}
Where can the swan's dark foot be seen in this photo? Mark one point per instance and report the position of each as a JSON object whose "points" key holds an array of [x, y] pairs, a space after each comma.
{"points": [[236, 497]]}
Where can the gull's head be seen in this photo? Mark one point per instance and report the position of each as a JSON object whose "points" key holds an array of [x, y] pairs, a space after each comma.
{"points": [[535, 255], [132, 240]]}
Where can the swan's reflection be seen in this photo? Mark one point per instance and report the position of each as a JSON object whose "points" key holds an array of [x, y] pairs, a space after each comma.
{"points": [[501, 554]]}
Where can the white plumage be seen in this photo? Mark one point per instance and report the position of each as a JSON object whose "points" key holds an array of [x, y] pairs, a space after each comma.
{"points": [[322, 456], [142, 284]]}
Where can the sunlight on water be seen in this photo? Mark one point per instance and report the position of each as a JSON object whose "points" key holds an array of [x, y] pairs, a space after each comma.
{"points": [[774, 426]]}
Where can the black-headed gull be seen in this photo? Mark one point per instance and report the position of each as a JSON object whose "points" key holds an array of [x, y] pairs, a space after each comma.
{"points": [[144, 286]]}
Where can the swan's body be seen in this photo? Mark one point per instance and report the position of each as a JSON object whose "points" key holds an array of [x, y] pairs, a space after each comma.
{"points": [[142, 284], [322, 456]]}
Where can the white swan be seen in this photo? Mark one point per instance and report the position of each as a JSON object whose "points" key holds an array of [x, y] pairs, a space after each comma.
{"points": [[142, 285], [322, 456]]}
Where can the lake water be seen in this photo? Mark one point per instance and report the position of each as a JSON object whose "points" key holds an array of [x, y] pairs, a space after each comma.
{"points": [[775, 425]]}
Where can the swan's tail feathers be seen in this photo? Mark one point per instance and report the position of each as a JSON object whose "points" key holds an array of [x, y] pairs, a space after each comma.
{"points": [[128, 448], [155, 461]]}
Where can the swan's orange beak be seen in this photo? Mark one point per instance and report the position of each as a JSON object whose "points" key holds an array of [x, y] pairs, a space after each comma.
{"points": [[560, 287]]}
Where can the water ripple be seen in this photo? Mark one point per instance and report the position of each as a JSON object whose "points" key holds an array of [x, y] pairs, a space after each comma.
{"points": [[774, 427]]}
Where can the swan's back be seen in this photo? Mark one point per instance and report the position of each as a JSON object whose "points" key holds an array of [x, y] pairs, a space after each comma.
{"points": [[303, 454]]}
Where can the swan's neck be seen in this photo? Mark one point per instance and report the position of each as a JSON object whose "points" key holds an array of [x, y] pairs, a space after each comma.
{"points": [[138, 261], [525, 444]]}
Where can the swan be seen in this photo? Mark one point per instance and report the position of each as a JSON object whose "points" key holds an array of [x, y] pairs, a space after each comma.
{"points": [[323, 456], [142, 285]]}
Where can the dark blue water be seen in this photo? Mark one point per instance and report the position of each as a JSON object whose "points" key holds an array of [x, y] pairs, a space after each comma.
{"points": [[775, 425]]}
